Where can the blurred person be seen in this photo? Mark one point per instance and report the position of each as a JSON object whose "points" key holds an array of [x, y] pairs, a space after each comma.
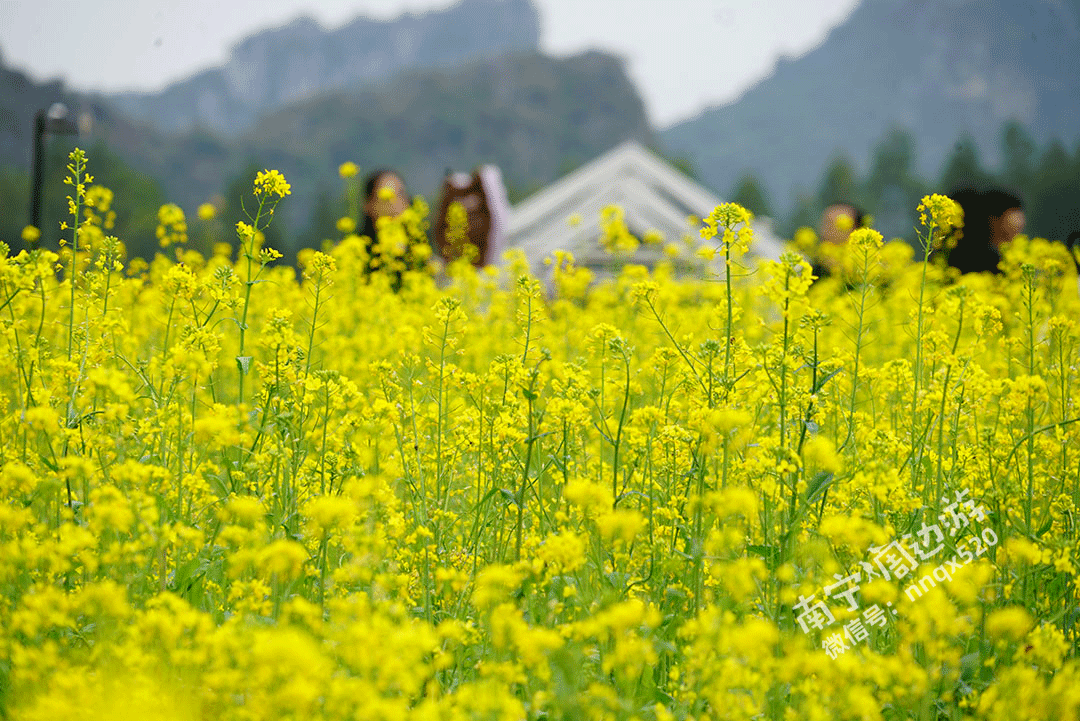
{"points": [[390, 204], [967, 247], [385, 196], [837, 222], [403, 248], [1007, 219], [992, 218], [482, 195]]}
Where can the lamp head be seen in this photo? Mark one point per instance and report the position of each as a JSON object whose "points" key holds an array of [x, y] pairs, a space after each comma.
{"points": [[57, 121]]}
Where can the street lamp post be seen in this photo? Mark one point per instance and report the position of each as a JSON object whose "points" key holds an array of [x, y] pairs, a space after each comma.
{"points": [[55, 121]]}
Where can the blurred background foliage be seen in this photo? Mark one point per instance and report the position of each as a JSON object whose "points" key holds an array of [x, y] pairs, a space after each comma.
{"points": [[819, 129]]}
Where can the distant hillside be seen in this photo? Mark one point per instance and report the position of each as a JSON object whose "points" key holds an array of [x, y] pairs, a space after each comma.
{"points": [[20, 98], [139, 195], [938, 68], [535, 116], [300, 61]]}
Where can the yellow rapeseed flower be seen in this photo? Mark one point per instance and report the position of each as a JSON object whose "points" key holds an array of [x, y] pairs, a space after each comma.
{"points": [[269, 183], [172, 225], [941, 214], [1010, 623]]}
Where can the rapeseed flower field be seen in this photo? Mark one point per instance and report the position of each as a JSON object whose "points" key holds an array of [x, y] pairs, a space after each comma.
{"points": [[236, 492]]}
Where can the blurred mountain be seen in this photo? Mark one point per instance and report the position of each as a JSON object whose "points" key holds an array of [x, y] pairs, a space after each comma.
{"points": [[938, 69], [139, 194], [20, 98], [286, 65], [536, 117]]}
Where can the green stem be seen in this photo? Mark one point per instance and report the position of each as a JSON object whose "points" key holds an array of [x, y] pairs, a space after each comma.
{"points": [[915, 457]]}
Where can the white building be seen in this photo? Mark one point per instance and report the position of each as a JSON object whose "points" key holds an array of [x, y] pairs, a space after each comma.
{"points": [[653, 195]]}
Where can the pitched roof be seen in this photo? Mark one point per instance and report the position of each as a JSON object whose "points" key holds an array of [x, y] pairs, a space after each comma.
{"points": [[652, 194]]}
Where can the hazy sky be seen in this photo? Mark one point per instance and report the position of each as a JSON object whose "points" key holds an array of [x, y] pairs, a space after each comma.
{"points": [[683, 54]]}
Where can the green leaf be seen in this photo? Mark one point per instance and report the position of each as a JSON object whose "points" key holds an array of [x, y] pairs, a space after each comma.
{"points": [[825, 379], [243, 363], [817, 485], [770, 554], [186, 573]]}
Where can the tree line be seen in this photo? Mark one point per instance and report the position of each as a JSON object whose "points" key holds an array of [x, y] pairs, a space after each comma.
{"points": [[1045, 177]]}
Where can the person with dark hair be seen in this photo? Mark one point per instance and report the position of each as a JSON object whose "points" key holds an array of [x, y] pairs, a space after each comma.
{"points": [[385, 196], [991, 219], [837, 222], [1007, 219]]}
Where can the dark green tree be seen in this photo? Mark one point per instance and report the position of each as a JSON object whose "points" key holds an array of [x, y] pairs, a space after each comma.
{"points": [[1019, 153], [893, 165], [963, 169], [1053, 206], [839, 184], [893, 188], [15, 199], [323, 223], [806, 213], [136, 200], [750, 194]]}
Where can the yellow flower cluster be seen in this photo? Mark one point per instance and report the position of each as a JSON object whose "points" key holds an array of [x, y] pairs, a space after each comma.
{"points": [[232, 491], [617, 238], [172, 225], [348, 169], [941, 214], [732, 222], [271, 183], [207, 211]]}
